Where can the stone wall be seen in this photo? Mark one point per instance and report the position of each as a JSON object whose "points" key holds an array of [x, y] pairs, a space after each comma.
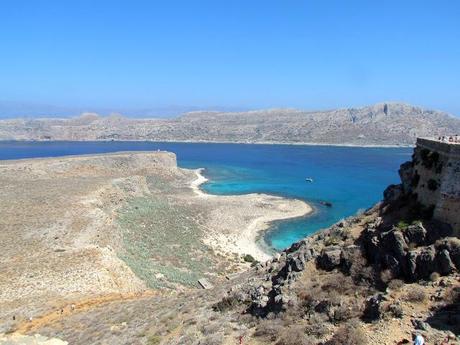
{"points": [[436, 179]]}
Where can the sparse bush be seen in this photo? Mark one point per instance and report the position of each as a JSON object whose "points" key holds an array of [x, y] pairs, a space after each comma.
{"points": [[211, 328], [153, 340], [307, 302], [349, 334], [361, 274], [332, 240], [386, 276], [269, 329], [294, 335], [453, 295], [317, 327], [416, 295], [340, 314], [402, 225], [396, 284], [213, 339], [226, 303], [249, 258], [434, 276], [396, 310]]}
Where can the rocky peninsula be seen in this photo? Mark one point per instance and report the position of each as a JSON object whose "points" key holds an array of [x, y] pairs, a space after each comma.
{"points": [[124, 224]]}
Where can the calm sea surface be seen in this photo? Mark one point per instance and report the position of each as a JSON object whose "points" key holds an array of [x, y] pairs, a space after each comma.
{"points": [[350, 178]]}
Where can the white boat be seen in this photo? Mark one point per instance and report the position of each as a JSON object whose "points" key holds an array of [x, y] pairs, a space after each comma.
{"points": [[309, 179]]}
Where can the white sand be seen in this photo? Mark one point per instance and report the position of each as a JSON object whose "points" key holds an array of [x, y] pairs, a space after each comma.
{"points": [[236, 221], [195, 185]]}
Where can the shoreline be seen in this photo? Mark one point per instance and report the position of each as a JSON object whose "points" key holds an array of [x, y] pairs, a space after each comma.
{"points": [[248, 241], [214, 142]]}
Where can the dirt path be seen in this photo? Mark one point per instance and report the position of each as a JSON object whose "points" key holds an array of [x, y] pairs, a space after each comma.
{"points": [[68, 309]]}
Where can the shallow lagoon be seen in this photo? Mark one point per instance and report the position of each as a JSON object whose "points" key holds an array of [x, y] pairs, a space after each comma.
{"points": [[351, 178]]}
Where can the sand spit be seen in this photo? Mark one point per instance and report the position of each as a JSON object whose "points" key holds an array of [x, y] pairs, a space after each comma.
{"points": [[238, 220], [195, 185]]}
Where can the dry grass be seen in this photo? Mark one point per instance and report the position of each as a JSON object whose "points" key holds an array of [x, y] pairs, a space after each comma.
{"points": [[416, 295]]}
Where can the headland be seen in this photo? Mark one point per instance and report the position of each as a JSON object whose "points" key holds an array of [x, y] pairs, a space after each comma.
{"points": [[119, 224]]}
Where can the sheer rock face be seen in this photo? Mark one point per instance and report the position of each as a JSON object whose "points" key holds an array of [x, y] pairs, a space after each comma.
{"points": [[380, 124], [432, 179]]}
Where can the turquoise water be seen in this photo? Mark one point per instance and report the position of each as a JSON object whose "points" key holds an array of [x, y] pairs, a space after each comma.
{"points": [[350, 178]]}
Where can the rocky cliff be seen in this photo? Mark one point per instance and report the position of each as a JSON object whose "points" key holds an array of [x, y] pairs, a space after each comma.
{"points": [[394, 262], [380, 124]]}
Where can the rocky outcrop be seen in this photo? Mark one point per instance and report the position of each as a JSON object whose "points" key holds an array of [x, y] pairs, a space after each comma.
{"points": [[409, 253]]}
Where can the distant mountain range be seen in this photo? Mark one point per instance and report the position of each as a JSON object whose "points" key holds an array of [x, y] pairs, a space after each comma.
{"points": [[11, 110], [379, 124]]}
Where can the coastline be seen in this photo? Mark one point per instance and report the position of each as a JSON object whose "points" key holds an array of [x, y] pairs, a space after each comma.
{"points": [[245, 237], [217, 142]]}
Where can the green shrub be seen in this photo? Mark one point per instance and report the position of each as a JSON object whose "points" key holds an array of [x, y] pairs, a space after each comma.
{"points": [[402, 225], [248, 258]]}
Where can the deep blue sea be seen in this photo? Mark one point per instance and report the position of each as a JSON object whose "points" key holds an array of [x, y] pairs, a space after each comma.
{"points": [[351, 178]]}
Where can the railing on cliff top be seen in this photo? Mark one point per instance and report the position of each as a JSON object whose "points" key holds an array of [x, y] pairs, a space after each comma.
{"points": [[447, 145]]}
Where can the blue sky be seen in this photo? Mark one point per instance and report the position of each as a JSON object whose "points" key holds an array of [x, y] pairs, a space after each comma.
{"points": [[235, 53]]}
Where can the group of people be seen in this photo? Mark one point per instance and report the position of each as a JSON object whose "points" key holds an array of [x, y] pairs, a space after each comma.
{"points": [[450, 139]]}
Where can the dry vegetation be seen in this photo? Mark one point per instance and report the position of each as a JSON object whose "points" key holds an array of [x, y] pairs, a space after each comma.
{"points": [[323, 290]]}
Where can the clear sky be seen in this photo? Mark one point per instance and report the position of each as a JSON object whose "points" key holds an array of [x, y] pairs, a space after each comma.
{"points": [[236, 53]]}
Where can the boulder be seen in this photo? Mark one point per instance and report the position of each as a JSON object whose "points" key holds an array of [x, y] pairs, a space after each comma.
{"points": [[444, 263], [373, 308], [452, 245], [393, 264], [419, 324], [297, 263], [371, 244], [425, 263], [410, 266], [348, 255], [330, 258], [393, 242], [416, 234]]}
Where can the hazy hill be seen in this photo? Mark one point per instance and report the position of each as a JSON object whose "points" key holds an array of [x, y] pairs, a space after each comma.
{"points": [[380, 124]]}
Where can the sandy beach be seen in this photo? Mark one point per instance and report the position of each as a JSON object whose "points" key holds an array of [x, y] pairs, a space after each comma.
{"points": [[236, 225]]}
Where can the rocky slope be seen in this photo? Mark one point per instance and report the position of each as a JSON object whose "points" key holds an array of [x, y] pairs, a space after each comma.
{"points": [[377, 278], [380, 124]]}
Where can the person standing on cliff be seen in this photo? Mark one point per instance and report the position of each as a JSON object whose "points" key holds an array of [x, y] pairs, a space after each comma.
{"points": [[419, 340]]}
